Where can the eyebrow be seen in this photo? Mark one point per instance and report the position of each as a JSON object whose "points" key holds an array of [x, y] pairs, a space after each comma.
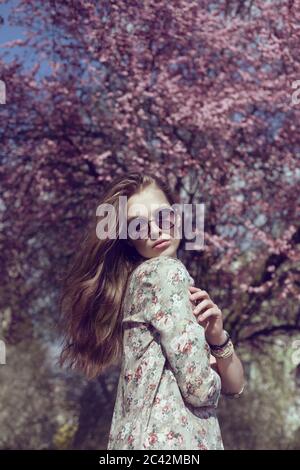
{"points": [[139, 215]]}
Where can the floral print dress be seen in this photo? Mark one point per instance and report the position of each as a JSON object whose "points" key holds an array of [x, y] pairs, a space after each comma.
{"points": [[167, 392]]}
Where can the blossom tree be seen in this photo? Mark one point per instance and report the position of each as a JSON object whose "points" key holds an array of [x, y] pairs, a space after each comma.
{"points": [[199, 92]]}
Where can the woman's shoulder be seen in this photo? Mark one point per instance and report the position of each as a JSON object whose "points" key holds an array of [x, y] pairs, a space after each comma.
{"points": [[161, 267], [159, 263]]}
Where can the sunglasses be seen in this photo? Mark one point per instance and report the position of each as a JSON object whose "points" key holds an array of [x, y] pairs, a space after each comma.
{"points": [[164, 219]]}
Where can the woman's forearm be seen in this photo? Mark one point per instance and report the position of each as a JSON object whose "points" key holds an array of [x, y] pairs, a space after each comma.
{"points": [[229, 368], [210, 317], [231, 372]]}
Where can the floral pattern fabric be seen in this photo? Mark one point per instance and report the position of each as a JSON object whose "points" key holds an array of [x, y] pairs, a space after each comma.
{"points": [[167, 393]]}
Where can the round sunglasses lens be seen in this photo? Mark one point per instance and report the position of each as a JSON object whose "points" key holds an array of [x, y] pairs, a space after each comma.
{"points": [[138, 228], [166, 219]]}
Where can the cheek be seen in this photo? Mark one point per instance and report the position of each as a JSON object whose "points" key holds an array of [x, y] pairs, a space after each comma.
{"points": [[175, 232], [142, 246], [176, 242]]}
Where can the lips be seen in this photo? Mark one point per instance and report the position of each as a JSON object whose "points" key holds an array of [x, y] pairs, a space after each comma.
{"points": [[159, 242]]}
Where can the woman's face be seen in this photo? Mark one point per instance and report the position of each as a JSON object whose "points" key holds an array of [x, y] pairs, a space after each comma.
{"points": [[146, 204]]}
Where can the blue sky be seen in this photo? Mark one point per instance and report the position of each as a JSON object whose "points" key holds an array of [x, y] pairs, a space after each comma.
{"points": [[7, 32], [10, 33]]}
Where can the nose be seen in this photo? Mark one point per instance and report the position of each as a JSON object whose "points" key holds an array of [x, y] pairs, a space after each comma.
{"points": [[155, 231]]}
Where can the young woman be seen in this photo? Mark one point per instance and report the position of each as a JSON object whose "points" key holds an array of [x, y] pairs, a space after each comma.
{"points": [[132, 300]]}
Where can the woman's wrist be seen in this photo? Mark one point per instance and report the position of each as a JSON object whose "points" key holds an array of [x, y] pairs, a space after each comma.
{"points": [[217, 340], [222, 350]]}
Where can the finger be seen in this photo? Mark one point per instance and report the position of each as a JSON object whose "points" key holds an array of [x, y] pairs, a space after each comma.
{"points": [[194, 289], [199, 295], [203, 323], [197, 289], [207, 303], [211, 312]]}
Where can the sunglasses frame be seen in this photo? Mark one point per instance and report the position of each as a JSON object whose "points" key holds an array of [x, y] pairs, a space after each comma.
{"points": [[156, 219]]}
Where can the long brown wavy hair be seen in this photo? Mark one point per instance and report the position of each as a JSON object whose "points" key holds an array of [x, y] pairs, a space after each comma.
{"points": [[93, 288]]}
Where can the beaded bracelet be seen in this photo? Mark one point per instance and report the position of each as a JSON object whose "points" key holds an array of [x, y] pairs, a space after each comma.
{"points": [[220, 346], [222, 350]]}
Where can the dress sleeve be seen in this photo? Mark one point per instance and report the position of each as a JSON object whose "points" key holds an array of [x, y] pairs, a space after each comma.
{"points": [[167, 307]]}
